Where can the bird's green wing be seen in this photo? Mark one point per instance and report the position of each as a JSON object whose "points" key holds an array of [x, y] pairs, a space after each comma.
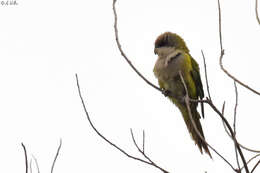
{"points": [[195, 74]]}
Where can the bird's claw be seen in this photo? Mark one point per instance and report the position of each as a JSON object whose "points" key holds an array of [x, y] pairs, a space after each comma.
{"points": [[166, 93]]}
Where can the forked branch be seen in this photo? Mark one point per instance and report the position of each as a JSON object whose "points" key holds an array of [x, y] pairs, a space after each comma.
{"points": [[149, 162]]}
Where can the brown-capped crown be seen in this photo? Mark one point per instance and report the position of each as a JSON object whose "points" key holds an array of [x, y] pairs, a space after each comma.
{"points": [[169, 39]]}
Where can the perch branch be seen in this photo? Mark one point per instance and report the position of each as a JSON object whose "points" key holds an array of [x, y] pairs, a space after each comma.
{"points": [[124, 55]]}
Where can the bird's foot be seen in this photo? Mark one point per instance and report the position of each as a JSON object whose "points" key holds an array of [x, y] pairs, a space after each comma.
{"points": [[166, 93]]}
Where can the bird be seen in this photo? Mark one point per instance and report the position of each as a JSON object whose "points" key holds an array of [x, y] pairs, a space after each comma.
{"points": [[174, 59]]}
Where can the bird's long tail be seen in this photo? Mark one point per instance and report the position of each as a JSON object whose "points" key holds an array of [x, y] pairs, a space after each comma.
{"points": [[196, 117]]}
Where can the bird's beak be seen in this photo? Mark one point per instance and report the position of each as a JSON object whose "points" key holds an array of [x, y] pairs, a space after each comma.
{"points": [[155, 51]]}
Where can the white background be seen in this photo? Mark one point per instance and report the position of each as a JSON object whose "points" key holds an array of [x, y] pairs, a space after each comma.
{"points": [[43, 43]]}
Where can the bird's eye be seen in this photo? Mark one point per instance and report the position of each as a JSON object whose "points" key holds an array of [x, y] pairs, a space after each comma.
{"points": [[161, 44]]}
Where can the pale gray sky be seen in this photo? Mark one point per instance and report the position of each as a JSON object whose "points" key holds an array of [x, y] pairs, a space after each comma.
{"points": [[44, 43]]}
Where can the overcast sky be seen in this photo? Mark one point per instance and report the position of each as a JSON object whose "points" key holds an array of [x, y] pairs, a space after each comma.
{"points": [[44, 43]]}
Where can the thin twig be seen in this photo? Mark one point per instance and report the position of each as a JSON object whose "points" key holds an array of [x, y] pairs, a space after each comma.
{"points": [[234, 122], [206, 75], [209, 102], [98, 133], [238, 165], [234, 78], [249, 149], [242, 146], [143, 140], [30, 165], [26, 159], [231, 132], [124, 55], [36, 162], [56, 156], [221, 65], [223, 108], [256, 11], [255, 166], [141, 151], [251, 160], [187, 100], [219, 27], [235, 109], [222, 54], [102, 136], [223, 113]]}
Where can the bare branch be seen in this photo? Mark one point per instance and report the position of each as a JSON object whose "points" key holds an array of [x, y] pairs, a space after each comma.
{"points": [[102, 136], [36, 162], [124, 55], [234, 78], [223, 108], [187, 100], [256, 11], [222, 54], [30, 165], [238, 165], [241, 145], [143, 140], [56, 156], [231, 132], [143, 153], [235, 109], [222, 67], [234, 122], [206, 74], [209, 102], [219, 27], [26, 159], [255, 166], [249, 149], [251, 159]]}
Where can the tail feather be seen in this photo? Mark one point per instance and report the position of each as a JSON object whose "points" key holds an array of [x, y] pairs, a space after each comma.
{"points": [[196, 117]]}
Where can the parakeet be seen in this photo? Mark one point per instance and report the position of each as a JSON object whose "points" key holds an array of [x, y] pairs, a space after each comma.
{"points": [[174, 56]]}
